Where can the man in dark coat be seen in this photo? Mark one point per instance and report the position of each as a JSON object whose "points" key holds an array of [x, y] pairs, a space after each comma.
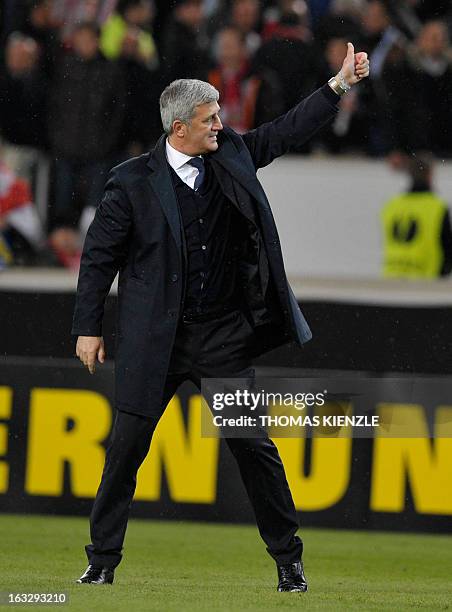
{"points": [[202, 289]]}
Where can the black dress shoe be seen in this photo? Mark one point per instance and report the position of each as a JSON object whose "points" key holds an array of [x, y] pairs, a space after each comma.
{"points": [[97, 575], [291, 578]]}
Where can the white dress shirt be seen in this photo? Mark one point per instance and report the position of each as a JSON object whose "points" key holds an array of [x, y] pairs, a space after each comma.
{"points": [[178, 162]]}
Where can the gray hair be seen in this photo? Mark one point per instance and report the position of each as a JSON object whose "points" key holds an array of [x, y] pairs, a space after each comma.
{"points": [[180, 99]]}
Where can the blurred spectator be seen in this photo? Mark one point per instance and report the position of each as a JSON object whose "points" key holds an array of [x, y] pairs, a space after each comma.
{"points": [[291, 55], [375, 21], [246, 100], [384, 42], [349, 128], [40, 26], [184, 52], [126, 38], [86, 112], [290, 14], [132, 21], [408, 15], [245, 17], [342, 21], [22, 239], [242, 15], [417, 235], [141, 126], [403, 16], [70, 13], [23, 88], [419, 88]]}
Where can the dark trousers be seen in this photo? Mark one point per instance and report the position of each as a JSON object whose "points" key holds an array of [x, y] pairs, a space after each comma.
{"points": [[217, 348]]}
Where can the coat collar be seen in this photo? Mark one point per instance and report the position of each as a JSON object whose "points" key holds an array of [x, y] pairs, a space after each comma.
{"points": [[227, 155]]}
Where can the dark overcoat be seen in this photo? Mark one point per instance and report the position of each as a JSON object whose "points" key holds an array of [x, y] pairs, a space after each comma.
{"points": [[137, 231]]}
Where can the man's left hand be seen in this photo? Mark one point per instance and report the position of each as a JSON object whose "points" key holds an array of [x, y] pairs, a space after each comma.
{"points": [[355, 66]]}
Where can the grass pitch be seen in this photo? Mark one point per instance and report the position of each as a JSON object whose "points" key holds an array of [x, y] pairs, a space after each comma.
{"points": [[184, 567]]}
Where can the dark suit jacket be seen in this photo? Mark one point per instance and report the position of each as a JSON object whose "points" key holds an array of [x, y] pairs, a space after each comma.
{"points": [[137, 230]]}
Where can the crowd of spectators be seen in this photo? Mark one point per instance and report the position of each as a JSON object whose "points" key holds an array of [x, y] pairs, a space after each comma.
{"points": [[80, 82]]}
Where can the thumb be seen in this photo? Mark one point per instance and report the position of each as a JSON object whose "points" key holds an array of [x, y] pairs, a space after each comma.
{"points": [[350, 51], [101, 353]]}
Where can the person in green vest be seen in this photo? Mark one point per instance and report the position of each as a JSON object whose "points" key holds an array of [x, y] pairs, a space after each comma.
{"points": [[417, 235], [130, 21]]}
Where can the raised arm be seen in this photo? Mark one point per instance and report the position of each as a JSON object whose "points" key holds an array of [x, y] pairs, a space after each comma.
{"points": [[298, 125]]}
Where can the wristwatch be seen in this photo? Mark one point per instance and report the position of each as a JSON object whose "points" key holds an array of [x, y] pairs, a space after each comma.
{"points": [[339, 85]]}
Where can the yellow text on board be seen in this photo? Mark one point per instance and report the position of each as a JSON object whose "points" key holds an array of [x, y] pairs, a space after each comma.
{"points": [[70, 427]]}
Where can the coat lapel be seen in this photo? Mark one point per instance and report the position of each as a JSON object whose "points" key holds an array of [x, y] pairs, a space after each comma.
{"points": [[162, 186], [231, 160], [226, 156]]}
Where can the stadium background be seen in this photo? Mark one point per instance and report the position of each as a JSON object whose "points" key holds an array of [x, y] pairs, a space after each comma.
{"points": [[55, 418]]}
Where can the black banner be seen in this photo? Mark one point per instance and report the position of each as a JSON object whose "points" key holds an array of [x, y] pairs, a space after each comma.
{"points": [[345, 336], [55, 420]]}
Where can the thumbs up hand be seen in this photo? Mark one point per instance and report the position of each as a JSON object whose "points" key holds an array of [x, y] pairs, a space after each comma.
{"points": [[355, 66]]}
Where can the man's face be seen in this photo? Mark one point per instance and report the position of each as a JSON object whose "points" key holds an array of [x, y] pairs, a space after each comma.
{"points": [[245, 14], [201, 133], [191, 13], [231, 50], [433, 39], [85, 43], [139, 14], [375, 19]]}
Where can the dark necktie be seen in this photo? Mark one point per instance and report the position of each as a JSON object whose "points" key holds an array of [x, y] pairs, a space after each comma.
{"points": [[198, 163]]}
